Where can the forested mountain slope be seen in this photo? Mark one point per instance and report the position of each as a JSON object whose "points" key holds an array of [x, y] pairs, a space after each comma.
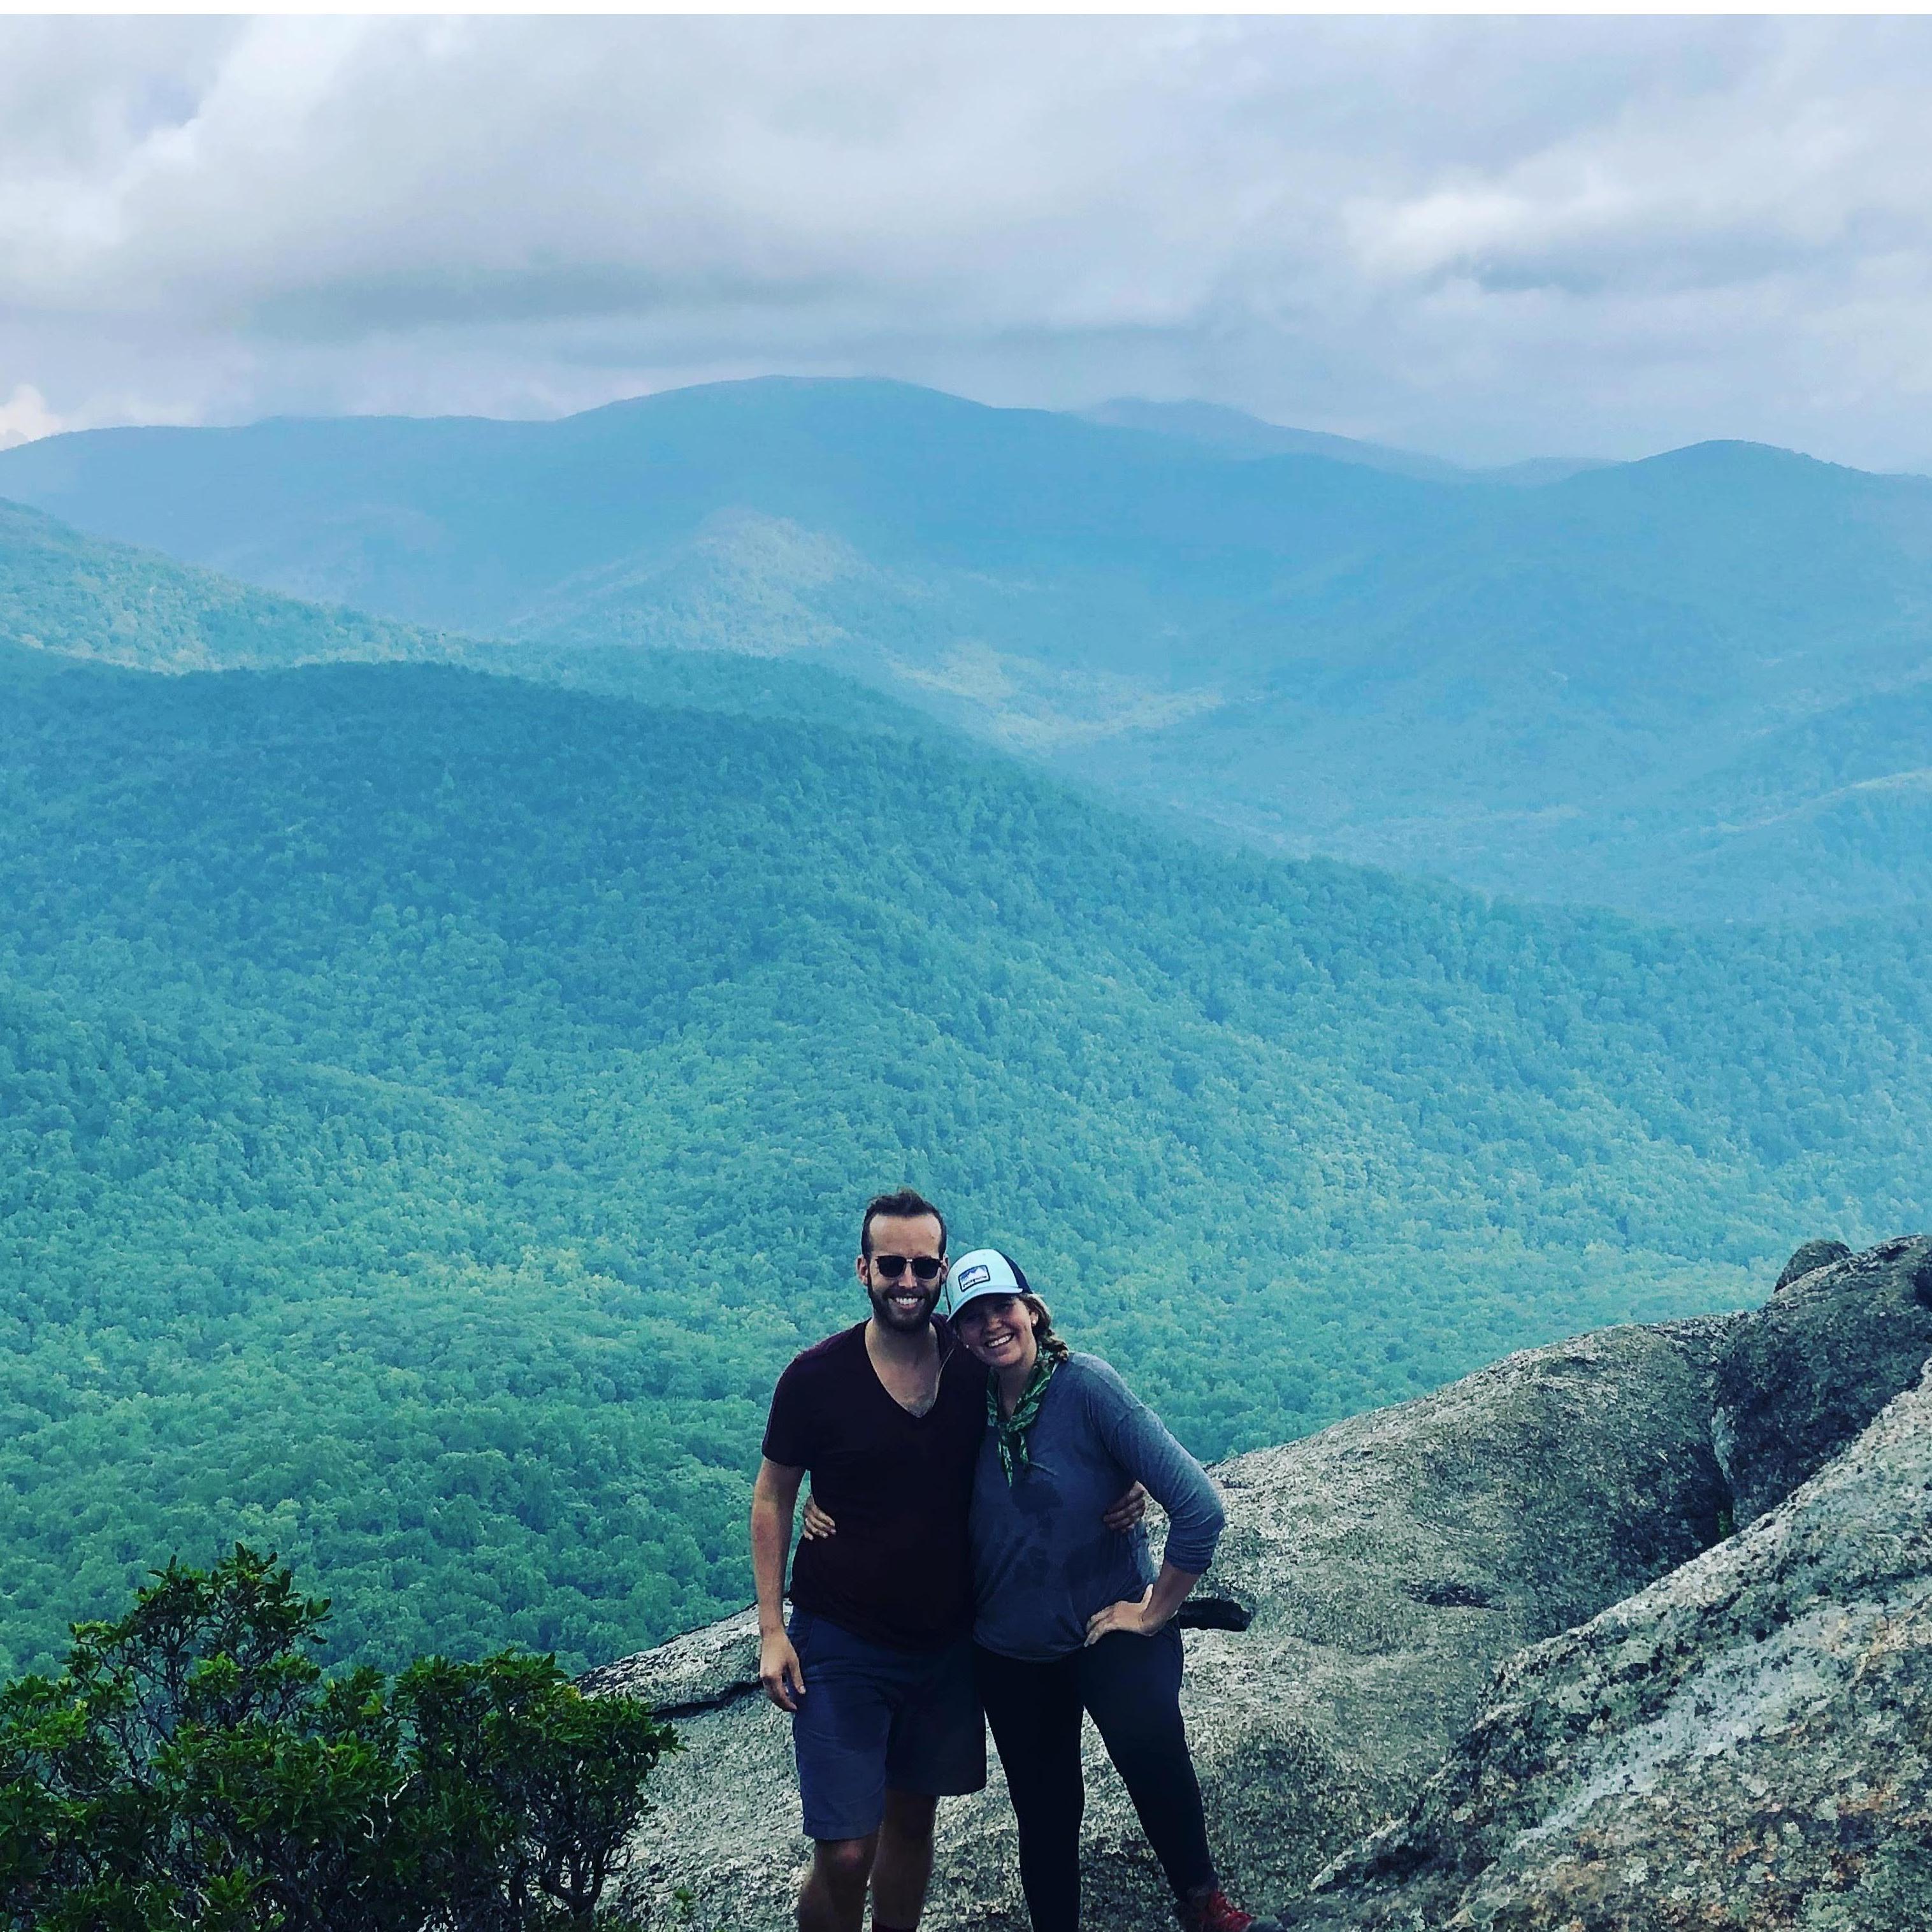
{"points": [[436, 1105], [1548, 692], [79, 596], [64, 595]]}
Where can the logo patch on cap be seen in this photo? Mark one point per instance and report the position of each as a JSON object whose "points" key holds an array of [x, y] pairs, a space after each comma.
{"points": [[972, 1277]]}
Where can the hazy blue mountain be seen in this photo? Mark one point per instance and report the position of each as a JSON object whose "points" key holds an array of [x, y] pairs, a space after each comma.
{"points": [[434, 1106], [875, 494], [1843, 800], [1235, 433], [1571, 709], [1534, 472], [1535, 691]]}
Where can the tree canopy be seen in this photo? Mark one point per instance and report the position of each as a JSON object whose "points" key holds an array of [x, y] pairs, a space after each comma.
{"points": [[435, 1107]]}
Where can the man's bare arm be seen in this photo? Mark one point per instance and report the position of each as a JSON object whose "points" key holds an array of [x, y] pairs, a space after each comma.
{"points": [[774, 1496]]}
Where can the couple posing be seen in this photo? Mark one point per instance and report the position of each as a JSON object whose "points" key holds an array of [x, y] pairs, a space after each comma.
{"points": [[973, 1543]]}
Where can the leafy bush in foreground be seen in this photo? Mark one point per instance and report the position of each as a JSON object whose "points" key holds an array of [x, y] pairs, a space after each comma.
{"points": [[192, 1767]]}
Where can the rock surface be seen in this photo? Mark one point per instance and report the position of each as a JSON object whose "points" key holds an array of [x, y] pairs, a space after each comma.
{"points": [[1389, 1564], [1812, 1254], [703, 1670], [1746, 1744], [1503, 1664], [1799, 1377]]}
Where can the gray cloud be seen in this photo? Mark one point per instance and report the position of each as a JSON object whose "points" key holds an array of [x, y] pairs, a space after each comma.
{"points": [[1487, 238]]}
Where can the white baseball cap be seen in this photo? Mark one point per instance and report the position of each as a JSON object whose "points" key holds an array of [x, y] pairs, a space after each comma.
{"points": [[984, 1271]]}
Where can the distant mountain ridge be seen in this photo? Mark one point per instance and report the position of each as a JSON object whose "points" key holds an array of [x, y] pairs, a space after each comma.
{"points": [[79, 597], [1236, 432], [1563, 692], [1239, 434]]}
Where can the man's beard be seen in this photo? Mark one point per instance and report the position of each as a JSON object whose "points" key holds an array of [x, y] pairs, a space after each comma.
{"points": [[900, 1319]]}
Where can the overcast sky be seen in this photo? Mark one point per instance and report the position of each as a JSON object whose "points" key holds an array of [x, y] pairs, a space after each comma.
{"points": [[1488, 239]]}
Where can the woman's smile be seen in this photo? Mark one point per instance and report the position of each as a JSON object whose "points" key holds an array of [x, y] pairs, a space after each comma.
{"points": [[996, 1330]]}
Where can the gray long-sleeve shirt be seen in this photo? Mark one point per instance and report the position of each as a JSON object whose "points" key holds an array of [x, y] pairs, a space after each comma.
{"points": [[1043, 1561]]}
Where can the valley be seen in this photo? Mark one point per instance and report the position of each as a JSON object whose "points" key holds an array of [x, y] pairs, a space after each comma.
{"points": [[437, 1104]]}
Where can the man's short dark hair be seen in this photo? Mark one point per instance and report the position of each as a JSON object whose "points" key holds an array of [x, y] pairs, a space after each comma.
{"points": [[901, 1204]]}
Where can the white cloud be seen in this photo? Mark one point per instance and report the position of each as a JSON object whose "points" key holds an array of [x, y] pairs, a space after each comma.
{"points": [[1484, 236], [25, 418]]}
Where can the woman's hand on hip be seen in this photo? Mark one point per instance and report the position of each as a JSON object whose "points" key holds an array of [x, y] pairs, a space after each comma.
{"points": [[1133, 1614], [1157, 1603]]}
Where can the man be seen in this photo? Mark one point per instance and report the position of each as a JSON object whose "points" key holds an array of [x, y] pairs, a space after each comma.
{"points": [[876, 1668]]}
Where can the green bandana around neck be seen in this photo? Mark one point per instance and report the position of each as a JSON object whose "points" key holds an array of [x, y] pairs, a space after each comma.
{"points": [[1009, 1432]]}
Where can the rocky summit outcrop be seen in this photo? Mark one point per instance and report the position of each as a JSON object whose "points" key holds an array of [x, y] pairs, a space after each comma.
{"points": [[1746, 1744], [1382, 1570], [1799, 1378], [1805, 1259], [1510, 1617]]}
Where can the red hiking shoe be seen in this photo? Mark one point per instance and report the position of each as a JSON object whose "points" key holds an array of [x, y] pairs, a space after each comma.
{"points": [[1211, 1911]]}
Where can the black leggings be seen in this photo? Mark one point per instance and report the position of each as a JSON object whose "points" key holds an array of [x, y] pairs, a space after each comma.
{"points": [[1131, 1686]]}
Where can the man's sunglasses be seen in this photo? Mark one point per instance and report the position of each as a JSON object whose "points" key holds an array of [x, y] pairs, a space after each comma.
{"points": [[924, 1268]]}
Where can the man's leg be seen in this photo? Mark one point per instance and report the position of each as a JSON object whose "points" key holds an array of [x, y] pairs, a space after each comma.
{"points": [[938, 1750], [839, 1736], [833, 1897], [904, 1866]]}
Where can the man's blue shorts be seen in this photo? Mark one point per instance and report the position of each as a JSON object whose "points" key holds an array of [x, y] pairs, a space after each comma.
{"points": [[873, 1719]]}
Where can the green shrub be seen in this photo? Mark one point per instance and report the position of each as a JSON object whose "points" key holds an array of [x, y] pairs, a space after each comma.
{"points": [[193, 1767]]}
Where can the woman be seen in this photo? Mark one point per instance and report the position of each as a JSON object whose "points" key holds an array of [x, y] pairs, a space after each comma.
{"points": [[1069, 1615]]}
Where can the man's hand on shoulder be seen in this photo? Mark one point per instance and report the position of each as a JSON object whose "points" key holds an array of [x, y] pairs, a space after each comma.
{"points": [[779, 1670]]}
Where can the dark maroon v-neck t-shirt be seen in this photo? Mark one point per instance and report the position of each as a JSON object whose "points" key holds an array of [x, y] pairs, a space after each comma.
{"points": [[898, 1486]]}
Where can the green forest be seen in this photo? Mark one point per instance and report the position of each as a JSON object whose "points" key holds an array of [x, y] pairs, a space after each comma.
{"points": [[436, 1105], [61, 592]]}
